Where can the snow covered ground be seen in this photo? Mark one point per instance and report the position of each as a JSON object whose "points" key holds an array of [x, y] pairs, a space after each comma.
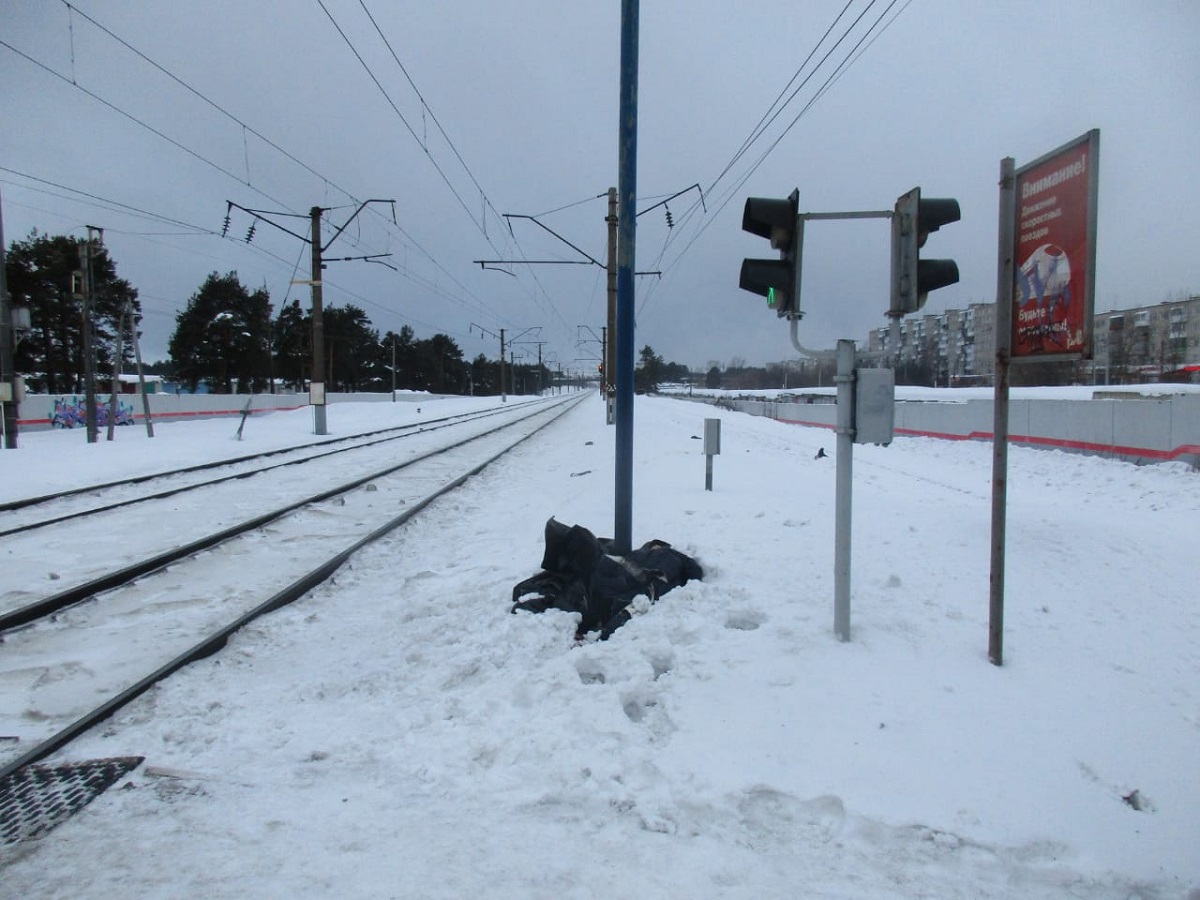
{"points": [[399, 734]]}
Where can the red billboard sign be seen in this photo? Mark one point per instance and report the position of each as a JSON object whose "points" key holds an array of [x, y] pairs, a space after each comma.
{"points": [[1054, 256]]}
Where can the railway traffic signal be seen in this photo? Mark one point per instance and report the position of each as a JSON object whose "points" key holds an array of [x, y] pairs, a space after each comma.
{"points": [[778, 280], [912, 277]]}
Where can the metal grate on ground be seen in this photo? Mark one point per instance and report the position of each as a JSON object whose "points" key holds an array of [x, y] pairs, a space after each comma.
{"points": [[36, 799]]}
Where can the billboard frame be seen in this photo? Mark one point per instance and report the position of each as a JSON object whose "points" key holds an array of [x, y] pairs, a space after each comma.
{"points": [[1090, 143]]}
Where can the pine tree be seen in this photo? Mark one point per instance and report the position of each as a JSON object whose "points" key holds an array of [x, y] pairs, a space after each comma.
{"points": [[223, 337], [39, 271]]}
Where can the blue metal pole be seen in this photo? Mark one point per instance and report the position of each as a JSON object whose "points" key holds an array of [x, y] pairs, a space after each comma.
{"points": [[626, 231]]}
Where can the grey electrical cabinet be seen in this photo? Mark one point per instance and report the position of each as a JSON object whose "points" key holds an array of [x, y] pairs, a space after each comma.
{"points": [[874, 406], [712, 437]]}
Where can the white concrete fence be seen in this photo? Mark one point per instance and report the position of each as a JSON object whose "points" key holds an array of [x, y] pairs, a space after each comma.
{"points": [[38, 412], [1127, 426]]}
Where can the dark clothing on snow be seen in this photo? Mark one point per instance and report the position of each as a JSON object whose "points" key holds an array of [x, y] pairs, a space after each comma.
{"points": [[579, 575]]}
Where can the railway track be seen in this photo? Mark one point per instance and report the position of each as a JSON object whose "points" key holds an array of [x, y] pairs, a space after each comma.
{"points": [[57, 554], [26, 513], [115, 634]]}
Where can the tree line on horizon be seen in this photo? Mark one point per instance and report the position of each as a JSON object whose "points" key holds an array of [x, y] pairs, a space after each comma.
{"points": [[228, 338], [231, 339]]}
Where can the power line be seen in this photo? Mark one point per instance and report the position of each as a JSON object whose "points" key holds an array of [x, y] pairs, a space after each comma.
{"points": [[170, 140], [763, 123], [848, 60], [239, 122], [773, 113], [201, 96], [876, 37], [821, 91], [199, 230], [432, 115], [478, 224], [481, 223], [400, 115], [572, 205], [845, 34], [209, 101], [112, 203], [837, 72]]}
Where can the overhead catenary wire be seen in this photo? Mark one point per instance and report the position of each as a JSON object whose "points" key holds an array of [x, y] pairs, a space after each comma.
{"points": [[760, 131], [111, 204], [442, 278], [228, 173], [850, 57], [245, 127], [767, 117], [539, 296], [128, 115], [481, 224], [426, 107], [284, 264], [400, 115]]}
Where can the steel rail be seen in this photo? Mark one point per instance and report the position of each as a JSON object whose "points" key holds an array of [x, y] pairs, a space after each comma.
{"points": [[411, 427], [48, 606], [217, 640]]}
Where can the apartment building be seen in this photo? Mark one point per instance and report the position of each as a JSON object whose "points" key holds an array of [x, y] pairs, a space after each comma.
{"points": [[1148, 341], [951, 347], [1130, 345]]}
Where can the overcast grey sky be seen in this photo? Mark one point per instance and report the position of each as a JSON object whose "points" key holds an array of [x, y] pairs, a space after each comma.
{"points": [[517, 113]]}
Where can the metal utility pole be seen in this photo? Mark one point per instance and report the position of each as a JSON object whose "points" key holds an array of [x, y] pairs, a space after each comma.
{"points": [[393, 367], [86, 253], [603, 369], [316, 394], [844, 489], [626, 234], [316, 390], [1004, 305], [606, 382], [503, 395], [8, 372], [609, 350], [114, 397], [137, 357], [514, 342]]}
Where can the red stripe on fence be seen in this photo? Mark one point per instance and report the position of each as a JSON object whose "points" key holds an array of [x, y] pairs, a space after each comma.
{"points": [[1037, 441]]}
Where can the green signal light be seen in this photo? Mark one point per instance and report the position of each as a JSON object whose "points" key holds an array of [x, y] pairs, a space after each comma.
{"points": [[771, 297]]}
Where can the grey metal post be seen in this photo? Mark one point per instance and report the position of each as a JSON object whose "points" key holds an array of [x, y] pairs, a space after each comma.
{"points": [[89, 355], [712, 447], [503, 395], [8, 370], [1004, 303], [626, 235], [137, 358], [608, 347], [114, 398], [845, 484], [317, 380]]}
